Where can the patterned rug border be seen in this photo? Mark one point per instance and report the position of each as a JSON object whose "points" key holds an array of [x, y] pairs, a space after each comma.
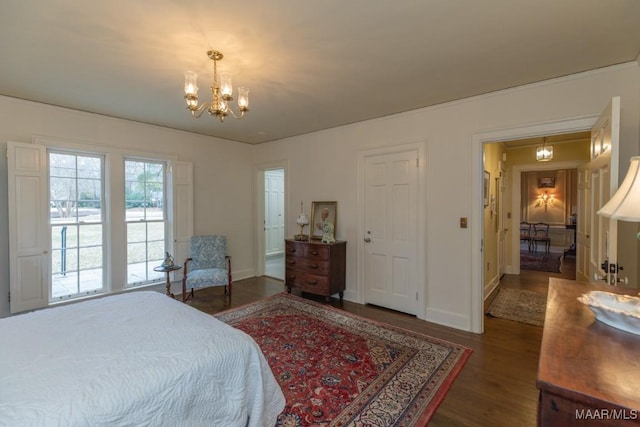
{"points": [[452, 364]]}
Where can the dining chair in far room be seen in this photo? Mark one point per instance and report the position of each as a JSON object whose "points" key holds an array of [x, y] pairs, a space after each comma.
{"points": [[208, 265], [525, 234], [541, 235]]}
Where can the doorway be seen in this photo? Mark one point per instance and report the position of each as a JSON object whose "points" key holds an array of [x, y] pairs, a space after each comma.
{"points": [[270, 213], [274, 223], [478, 141], [540, 197]]}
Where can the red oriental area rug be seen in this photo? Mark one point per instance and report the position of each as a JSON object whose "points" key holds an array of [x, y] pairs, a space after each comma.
{"points": [[339, 369]]}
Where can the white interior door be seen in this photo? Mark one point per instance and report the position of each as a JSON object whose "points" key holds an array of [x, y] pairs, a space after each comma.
{"points": [[602, 234], [390, 221], [274, 211], [583, 225], [500, 228]]}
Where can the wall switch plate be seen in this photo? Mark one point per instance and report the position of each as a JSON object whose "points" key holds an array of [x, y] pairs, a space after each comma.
{"points": [[463, 222]]}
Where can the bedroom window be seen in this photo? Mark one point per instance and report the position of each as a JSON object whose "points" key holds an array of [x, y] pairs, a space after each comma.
{"points": [[76, 216], [88, 220], [145, 196]]}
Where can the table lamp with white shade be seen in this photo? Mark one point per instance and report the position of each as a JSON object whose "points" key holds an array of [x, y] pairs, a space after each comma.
{"points": [[625, 203], [619, 311], [302, 221]]}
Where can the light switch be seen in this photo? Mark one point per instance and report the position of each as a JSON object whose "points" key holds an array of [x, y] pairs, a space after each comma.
{"points": [[463, 222]]}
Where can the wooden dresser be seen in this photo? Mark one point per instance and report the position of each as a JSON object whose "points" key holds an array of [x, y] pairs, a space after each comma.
{"points": [[318, 268], [589, 373]]}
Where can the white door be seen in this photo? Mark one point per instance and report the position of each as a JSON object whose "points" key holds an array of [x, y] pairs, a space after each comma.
{"points": [[28, 233], [602, 234], [274, 211], [499, 223], [390, 221], [583, 225]]}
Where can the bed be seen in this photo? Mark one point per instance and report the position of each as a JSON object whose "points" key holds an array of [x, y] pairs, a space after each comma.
{"points": [[133, 359]]}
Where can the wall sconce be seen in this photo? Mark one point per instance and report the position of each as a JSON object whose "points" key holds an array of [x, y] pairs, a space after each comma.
{"points": [[545, 200]]}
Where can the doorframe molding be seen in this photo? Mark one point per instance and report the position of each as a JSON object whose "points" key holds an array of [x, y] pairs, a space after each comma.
{"points": [[258, 209], [421, 146], [575, 124]]}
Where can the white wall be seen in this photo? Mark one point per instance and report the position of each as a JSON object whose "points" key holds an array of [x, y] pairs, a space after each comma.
{"points": [[223, 171], [323, 167]]}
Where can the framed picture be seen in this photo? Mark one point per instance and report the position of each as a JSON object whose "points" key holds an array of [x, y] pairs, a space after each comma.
{"points": [[546, 182], [322, 212], [485, 187]]}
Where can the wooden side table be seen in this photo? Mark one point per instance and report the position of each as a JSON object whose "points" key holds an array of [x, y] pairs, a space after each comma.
{"points": [[167, 270], [588, 372]]}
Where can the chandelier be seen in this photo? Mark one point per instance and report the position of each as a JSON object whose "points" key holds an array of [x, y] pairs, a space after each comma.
{"points": [[544, 152], [221, 93]]}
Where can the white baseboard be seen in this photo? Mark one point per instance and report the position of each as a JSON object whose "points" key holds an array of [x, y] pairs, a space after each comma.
{"points": [[448, 318], [491, 286]]}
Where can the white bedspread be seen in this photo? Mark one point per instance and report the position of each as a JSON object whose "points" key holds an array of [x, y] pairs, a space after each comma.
{"points": [[134, 359]]}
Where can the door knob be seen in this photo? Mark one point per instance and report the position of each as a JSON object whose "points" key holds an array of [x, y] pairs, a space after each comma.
{"points": [[367, 239]]}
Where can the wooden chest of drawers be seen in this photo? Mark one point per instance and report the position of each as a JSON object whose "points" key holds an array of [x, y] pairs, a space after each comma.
{"points": [[318, 268]]}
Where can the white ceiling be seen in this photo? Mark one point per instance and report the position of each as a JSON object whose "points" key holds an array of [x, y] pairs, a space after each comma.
{"points": [[310, 65]]}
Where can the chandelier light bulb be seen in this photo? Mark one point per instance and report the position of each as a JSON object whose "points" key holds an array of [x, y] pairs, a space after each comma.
{"points": [[223, 106], [243, 98], [190, 83], [226, 88]]}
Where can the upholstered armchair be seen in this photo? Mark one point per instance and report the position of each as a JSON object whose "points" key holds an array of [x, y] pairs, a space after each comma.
{"points": [[208, 265]]}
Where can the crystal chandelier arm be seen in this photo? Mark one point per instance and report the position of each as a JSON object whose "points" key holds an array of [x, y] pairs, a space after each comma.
{"points": [[235, 116], [197, 112]]}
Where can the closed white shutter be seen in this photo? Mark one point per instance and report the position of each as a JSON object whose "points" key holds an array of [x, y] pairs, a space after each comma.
{"points": [[28, 237], [182, 179]]}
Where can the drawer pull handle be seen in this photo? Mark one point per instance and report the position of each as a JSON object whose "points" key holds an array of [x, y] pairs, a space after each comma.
{"points": [[292, 250], [314, 253], [292, 277], [313, 282], [291, 262], [314, 266]]}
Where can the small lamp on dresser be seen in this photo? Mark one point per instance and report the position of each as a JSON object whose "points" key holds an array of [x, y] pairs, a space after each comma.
{"points": [[302, 221]]}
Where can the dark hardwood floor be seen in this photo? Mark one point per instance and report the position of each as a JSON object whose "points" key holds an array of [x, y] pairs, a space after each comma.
{"points": [[497, 385]]}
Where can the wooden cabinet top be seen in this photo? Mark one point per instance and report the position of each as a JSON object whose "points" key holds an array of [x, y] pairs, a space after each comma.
{"points": [[315, 242], [582, 358]]}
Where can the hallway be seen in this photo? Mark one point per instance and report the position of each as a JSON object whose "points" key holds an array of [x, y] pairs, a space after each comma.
{"points": [[539, 280]]}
